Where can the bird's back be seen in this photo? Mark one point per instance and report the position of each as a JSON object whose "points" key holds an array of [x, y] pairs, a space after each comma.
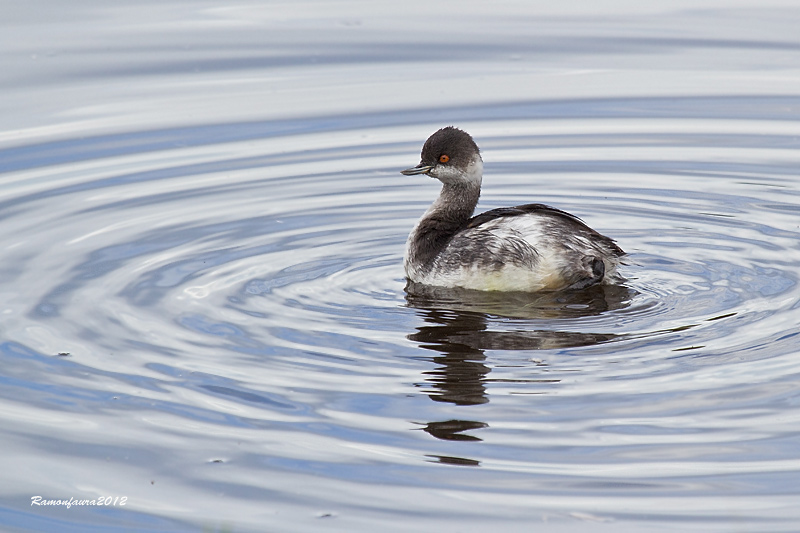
{"points": [[530, 247]]}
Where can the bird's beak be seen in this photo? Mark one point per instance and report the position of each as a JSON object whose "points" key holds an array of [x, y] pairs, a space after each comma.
{"points": [[419, 169]]}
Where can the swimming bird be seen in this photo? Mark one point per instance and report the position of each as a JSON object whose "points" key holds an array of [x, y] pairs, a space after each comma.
{"points": [[530, 248]]}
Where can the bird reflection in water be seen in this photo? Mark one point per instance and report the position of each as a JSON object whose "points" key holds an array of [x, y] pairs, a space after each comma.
{"points": [[452, 429], [457, 325]]}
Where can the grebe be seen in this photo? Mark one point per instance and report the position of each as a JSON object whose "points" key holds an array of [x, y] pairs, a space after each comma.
{"points": [[528, 248]]}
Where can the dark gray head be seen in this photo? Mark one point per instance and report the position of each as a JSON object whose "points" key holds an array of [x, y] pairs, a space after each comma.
{"points": [[451, 156]]}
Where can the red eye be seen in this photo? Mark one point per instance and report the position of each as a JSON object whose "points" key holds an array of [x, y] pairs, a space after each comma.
{"points": [[444, 158]]}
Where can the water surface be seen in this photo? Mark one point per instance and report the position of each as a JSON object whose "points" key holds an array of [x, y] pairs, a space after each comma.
{"points": [[203, 301]]}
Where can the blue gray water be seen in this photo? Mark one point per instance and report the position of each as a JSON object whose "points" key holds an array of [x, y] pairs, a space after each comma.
{"points": [[203, 304]]}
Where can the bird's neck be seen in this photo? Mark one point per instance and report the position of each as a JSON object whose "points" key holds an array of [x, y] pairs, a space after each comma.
{"points": [[456, 203], [443, 219]]}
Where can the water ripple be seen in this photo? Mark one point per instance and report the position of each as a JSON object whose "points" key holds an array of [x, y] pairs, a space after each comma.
{"points": [[242, 287]]}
